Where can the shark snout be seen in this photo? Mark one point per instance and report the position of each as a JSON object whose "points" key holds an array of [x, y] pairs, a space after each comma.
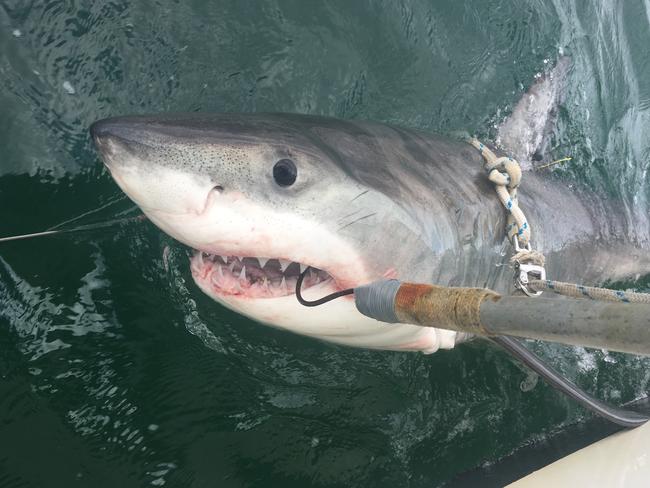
{"points": [[141, 159], [128, 129], [119, 140], [103, 129]]}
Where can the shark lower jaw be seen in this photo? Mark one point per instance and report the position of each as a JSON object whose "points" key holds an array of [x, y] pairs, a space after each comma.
{"points": [[237, 278]]}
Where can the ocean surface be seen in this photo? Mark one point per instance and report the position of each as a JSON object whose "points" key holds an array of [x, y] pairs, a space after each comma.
{"points": [[115, 370]]}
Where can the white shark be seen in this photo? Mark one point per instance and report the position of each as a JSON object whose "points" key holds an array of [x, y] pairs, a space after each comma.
{"points": [[262, 196]]}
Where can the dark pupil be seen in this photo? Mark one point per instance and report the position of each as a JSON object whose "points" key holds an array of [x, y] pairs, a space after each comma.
{"points": [[285, 172]]}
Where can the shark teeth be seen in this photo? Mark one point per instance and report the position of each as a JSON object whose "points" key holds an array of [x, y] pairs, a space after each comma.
{"points": [[284, 264], [254, 277]]}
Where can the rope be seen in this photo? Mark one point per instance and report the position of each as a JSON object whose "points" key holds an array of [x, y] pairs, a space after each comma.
{"points": [[505, 173], [591, 292], [526, 256]]}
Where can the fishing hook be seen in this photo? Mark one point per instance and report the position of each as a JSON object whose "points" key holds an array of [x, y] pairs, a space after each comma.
{"points": [[320, 301]]}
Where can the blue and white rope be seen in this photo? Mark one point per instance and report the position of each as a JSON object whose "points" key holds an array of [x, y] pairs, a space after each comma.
{"points": [[505, 173], [590, 292]]}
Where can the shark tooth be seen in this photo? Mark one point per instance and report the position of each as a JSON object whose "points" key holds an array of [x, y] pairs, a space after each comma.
{"points": [[242, 273], [303, 267], [284, 264], [283, 285], [263, 261]]}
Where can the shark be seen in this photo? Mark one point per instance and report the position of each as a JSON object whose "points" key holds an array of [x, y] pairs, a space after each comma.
{"points": [[261, 197]]}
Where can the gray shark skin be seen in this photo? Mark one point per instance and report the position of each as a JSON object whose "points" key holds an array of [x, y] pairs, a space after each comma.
{"points": [[525, 133], [370, 201]]}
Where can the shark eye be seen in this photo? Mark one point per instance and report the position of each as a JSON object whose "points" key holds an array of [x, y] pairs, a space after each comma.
{"points": [[285, 172]]}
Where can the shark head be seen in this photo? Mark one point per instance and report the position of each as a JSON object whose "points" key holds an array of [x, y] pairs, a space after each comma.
{"points": [[261, 197]]}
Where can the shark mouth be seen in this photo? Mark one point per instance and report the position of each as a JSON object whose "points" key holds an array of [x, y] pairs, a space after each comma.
{"points": [[250, 277]]}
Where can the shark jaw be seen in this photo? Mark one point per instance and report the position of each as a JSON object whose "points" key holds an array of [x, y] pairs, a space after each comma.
{"points": [[235, 275], [248, 277], [264, 290]]}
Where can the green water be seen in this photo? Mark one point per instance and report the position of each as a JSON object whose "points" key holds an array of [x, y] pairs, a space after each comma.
{"points": [[116, 371]]}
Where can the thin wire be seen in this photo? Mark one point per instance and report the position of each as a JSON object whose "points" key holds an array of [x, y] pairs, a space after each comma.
{"points": [[112, 201], [99, 225], [320, 301], [29, 236]]}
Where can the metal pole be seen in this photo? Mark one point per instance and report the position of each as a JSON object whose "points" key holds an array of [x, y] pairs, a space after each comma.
{"points": [[621, 327]]}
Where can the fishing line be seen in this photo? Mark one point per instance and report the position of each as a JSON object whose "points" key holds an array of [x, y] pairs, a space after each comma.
{"points": [[110, 203], [98, 225], [320, 301]]}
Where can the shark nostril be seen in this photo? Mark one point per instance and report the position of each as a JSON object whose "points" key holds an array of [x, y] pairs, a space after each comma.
{"points": [[215, 190]]}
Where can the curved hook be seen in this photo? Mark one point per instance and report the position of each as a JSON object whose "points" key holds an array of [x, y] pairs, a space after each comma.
{"points": [[320, 301]]}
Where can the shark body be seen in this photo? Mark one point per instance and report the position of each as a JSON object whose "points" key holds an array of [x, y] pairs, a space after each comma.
{"points": [[261, 196]]}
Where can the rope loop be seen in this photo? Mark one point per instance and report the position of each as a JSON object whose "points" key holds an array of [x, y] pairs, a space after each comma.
{"points": [[530, 275], [506, 174]]}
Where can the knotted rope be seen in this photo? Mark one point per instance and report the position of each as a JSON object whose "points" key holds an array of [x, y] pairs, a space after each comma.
{"points": [[505, 173]]}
